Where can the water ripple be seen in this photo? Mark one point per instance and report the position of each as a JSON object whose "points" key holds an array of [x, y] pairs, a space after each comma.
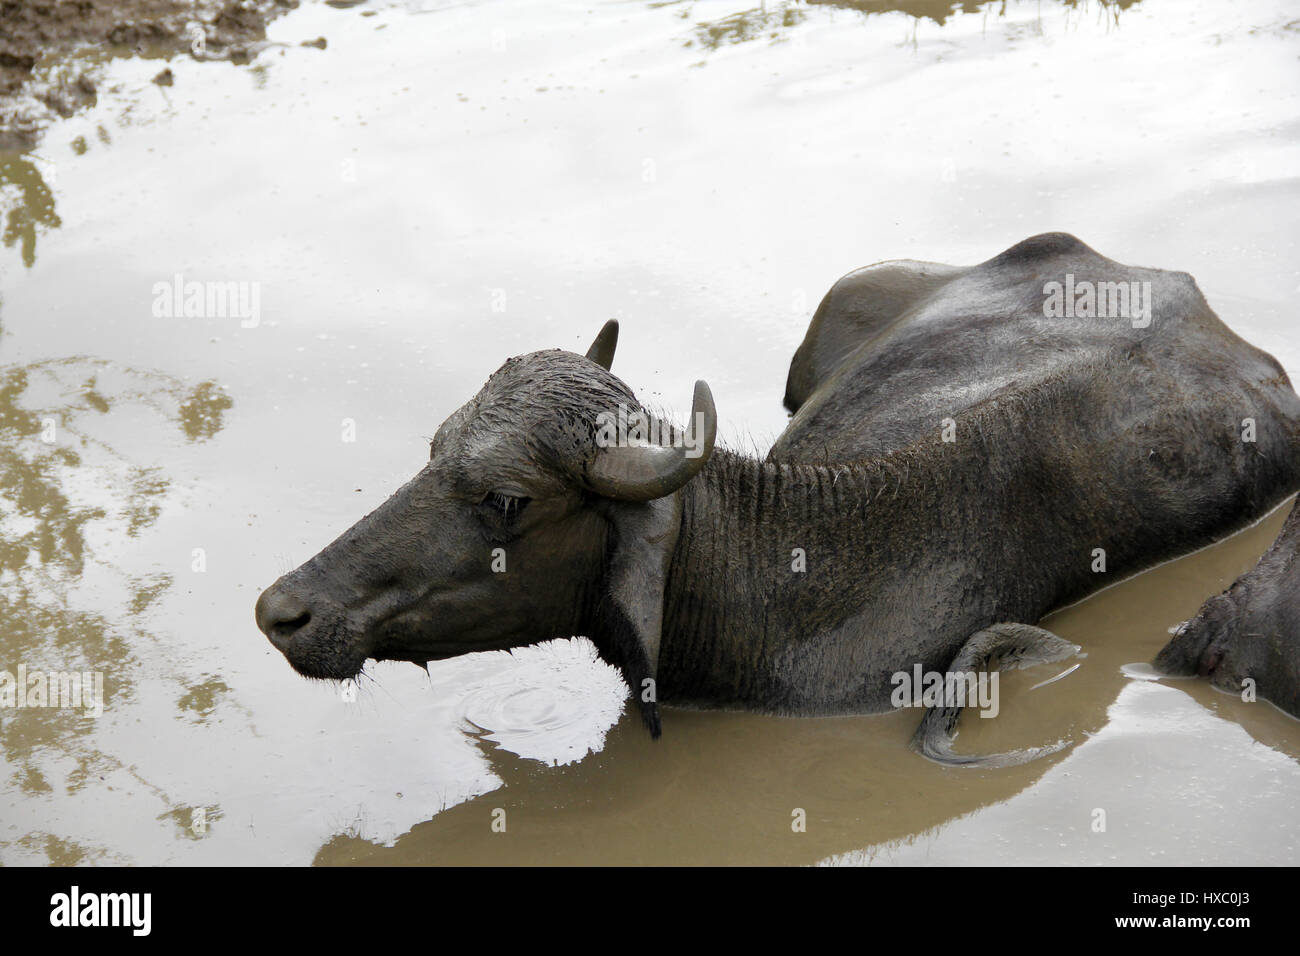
{"points": [[553, 702]]}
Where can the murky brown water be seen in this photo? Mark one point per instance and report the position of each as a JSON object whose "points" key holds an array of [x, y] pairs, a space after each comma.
{"points": [[448, 185]]}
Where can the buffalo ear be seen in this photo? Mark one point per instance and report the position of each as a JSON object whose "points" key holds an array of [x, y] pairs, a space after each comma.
{"points": [[630, 616]]}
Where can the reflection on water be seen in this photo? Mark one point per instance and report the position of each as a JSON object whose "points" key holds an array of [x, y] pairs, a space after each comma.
{"points": [[202, 697], [768, 20], [64, 492], [940, 10], [26, 203], [747, 25], [200, 412], [1076, 809]]}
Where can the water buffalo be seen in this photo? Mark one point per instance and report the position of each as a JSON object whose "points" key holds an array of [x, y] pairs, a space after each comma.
{"points": [[1247, 639], [970, 448]]}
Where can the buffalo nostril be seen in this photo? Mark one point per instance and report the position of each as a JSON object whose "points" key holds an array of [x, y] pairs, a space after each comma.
{"points": [[288, 627], [280, 616]]}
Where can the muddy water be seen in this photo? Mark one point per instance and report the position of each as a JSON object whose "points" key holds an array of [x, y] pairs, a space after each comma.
{"points": [[449, 184]]}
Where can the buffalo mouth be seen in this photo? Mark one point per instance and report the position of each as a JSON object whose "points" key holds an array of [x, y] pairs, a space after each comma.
{"points": [[324, 654], [316, 641], [324, 664], [1200, 645]]}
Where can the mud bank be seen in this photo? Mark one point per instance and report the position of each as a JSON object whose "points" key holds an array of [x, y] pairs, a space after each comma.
{"points": [[49, 51]]}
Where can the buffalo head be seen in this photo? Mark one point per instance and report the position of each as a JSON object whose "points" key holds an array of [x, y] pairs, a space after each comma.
{"points": [[538, 515]]}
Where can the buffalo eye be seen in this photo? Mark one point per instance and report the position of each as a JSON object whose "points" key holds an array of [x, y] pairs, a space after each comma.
{"points": [[506, 506]]}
